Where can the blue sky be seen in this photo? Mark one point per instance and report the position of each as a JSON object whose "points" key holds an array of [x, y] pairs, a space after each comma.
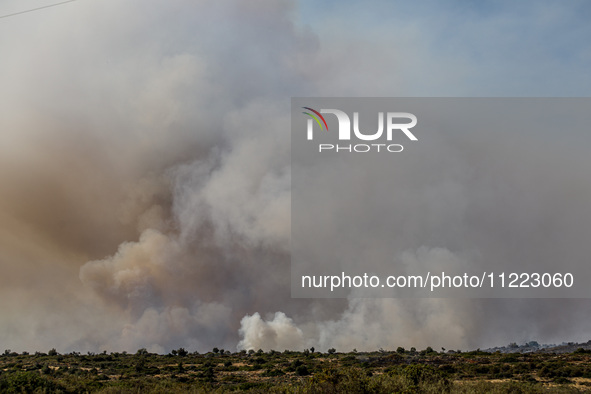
{"points": [[501, 48]]}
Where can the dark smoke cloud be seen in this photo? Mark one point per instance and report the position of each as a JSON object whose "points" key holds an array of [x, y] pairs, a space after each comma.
{"points": [[145, 172]]}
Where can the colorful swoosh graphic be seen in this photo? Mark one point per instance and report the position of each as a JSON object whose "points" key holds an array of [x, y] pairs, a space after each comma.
{"points": [[316, 117]]}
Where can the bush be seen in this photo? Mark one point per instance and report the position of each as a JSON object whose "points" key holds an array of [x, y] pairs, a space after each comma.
{"points": [[347, 380], [302, 370], [272, 372], [418, 374], [26, 382], [141, 352]]}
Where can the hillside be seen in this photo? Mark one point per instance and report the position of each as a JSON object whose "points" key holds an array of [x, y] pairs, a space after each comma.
{"points": [[300, 372]]}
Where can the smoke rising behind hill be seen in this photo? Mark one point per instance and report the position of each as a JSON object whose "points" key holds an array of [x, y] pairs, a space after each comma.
{"points": [[145, 185]]}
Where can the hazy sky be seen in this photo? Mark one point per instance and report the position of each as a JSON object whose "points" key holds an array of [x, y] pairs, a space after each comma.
{"points": [[145, 164]]}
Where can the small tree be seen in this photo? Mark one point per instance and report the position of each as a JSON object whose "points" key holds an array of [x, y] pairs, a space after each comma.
{"points": [[428, 350], [141, 352], [182, 352], [216, 350], [312, 349], [400, 349], [52, 352], [332, 350]]}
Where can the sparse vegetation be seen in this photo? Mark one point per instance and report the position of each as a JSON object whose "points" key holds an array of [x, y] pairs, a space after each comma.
{"points": [[406, 371]]}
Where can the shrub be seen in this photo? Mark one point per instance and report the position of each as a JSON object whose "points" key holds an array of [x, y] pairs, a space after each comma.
{"points": [[418, 374], [302, 370], [26, 382], [272, 372]]}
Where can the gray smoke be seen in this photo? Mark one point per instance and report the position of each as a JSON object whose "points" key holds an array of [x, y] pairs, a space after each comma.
{"points": [[145, 172]]}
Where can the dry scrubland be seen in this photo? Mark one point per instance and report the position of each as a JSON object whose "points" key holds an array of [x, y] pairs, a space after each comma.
{"points": [[406, 371]]}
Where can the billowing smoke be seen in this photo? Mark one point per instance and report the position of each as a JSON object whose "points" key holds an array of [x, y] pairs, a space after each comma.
{"points": [[145, 186]]}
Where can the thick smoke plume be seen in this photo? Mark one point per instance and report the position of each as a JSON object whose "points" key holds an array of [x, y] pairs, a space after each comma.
{"points": [[145, 186]]}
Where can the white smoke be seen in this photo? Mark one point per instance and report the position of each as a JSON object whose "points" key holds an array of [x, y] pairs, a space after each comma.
{"points": [[278, 333]]}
